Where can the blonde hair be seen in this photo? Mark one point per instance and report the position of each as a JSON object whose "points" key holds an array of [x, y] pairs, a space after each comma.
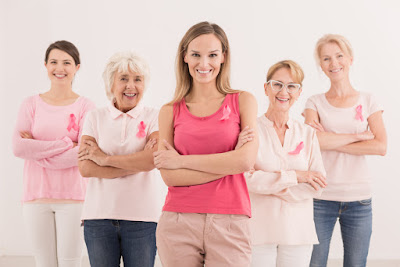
{"points": [[342, 42], [123, 62], [184, 80], [295, 70]]}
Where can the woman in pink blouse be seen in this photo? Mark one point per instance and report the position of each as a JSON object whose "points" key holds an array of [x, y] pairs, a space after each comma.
{"points": [[46, 136], [350, 126], [288, 174], [206, 212]]}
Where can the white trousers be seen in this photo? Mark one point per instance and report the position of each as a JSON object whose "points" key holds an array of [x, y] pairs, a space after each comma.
{"points": [[55, 233], [281, 256]]}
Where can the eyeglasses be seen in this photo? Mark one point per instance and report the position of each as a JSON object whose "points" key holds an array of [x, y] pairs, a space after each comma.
{"points": [[291, 88]]}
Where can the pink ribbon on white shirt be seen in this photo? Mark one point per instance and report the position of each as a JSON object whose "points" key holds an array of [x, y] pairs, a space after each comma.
{"points": [[141, 133], [298, 149], [72, 124], [359, 115], [226, 112]]}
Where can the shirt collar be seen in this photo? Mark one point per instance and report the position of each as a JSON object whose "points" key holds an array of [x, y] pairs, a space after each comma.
{"points": [[269, 123], [134, 113]]}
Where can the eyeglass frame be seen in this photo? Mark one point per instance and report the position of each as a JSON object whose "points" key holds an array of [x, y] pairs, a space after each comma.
{"points": [[284, 85]]}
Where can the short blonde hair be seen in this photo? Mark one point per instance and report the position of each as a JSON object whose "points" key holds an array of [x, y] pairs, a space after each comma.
{"points": [[342, 42], [123, 62], [295, 70]]}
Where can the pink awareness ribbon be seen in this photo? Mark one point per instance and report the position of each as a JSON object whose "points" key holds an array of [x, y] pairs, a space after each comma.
{"points": [[72, 124], [359, 115], [298, 149], [226, 112], [141, 133]]}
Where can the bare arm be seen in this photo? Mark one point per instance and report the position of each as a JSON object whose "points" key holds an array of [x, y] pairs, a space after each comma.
{"points": [[141, 161], [376, 146], [88, 168], [177, 177], [232, 162]]}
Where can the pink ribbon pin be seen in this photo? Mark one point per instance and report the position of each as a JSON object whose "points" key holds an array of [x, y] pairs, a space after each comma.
{"points": [[72, 124], [298, 149], [359, 115], [226, 112], [141, 133]]}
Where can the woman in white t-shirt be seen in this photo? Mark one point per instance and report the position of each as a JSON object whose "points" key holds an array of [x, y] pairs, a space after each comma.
{"points": [[350, 126], [124, 196]]}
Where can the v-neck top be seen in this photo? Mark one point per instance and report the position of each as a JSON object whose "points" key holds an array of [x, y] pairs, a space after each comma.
{"points": [[216, 133], [282, 208], [347, 175]]}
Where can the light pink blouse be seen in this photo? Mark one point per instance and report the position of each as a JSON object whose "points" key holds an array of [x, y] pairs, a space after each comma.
{"points": [[347, 175], [282, 208], [51, 161], [136, 197]]}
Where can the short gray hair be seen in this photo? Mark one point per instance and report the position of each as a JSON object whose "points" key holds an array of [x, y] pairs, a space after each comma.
{"points": [[123, 62]]}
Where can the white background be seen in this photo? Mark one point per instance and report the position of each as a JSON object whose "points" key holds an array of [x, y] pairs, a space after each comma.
{"points": [[260, 34]]}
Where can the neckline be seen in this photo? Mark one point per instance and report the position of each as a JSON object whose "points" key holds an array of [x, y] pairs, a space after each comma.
{"points": [[333, 107], [62, 106], [205, 117]]}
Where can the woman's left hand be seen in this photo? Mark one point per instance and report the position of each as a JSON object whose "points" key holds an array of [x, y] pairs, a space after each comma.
{"points": [[26, 135], [91, 151], [167, 159]]}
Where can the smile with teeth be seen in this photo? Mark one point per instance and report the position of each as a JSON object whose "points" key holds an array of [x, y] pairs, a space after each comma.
{"points": [[203, 71], [60, 75], [283, 99], [130, 95], [335, 70]]}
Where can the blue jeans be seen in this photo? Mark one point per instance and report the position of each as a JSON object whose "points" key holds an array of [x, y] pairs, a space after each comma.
{"points": [[355, 220], [108, 240]]}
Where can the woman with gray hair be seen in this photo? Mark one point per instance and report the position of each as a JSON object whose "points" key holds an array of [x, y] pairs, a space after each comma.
{"points": [[123, 200]]}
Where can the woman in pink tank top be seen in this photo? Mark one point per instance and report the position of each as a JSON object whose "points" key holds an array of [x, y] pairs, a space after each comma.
{"points": [[206, 211]]}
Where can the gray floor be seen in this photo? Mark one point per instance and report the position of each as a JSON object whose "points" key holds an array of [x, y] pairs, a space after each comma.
{"points": [[15, 261]]}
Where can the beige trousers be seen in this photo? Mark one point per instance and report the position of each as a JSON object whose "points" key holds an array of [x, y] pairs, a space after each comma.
{"points": [[198, 239]]}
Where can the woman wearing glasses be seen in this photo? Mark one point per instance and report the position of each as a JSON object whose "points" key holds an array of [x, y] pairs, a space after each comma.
{"points": [[288, 174], [342, 117]]}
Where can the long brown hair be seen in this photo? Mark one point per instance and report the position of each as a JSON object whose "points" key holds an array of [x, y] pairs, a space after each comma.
{"points": [[184, 80]]}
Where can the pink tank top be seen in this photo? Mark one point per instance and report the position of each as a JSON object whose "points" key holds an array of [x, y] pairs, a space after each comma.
{"points": [[216, 133]]}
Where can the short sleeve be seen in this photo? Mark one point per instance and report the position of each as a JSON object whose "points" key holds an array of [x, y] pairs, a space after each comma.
{"points": [[88, 125], [311, 104], [153, 126], [373, 105]]}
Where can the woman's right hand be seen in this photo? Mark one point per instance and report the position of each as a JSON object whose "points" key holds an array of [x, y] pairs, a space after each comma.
{"points": [[315, 179], [365, 136], [246, 135]]}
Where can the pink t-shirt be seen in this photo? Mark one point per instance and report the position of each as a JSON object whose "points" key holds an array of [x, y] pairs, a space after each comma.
{"points": [[282, 208], [209, 135], [136, 197], [347, 175], [51, 164]]}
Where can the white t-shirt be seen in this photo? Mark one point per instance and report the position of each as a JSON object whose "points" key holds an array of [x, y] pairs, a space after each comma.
{"points": [[137, 197], [348, 177]]}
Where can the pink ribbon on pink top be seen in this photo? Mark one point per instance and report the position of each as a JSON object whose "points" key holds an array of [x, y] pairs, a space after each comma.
{"points": [[141, 133], [72, 124], [359, 115], [298, 149], [226, 112]]}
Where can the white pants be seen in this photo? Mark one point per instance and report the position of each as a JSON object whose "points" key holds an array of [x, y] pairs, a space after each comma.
{"points": [[281, 256], [55, 232]]}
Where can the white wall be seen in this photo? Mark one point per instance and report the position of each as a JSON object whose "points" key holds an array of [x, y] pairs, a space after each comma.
{"points": [[260, 32]]}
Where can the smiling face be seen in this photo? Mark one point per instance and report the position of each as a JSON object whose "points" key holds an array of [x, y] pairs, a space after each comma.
{"points": [[204, 57], [281, 100], [334, 62], [127, 89], [61, 67]]}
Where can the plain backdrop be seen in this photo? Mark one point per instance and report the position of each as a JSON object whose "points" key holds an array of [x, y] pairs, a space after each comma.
{"points": [[260, 33]]}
